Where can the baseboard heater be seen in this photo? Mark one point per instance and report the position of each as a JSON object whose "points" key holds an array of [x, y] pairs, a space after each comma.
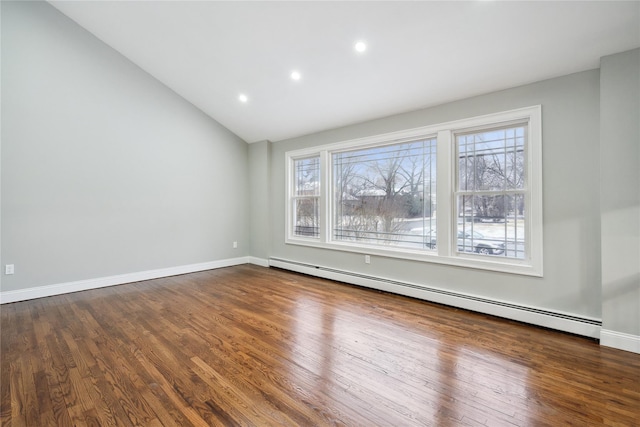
{"points": [[566, 322]]}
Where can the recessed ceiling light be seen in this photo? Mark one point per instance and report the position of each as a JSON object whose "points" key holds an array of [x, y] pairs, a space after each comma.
{"points": [[295, 75], [360, 46], [243, 98]]}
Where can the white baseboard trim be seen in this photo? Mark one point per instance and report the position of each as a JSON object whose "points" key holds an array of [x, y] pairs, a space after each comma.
{"points": [[567, 322], [101, 282], [259, 261], [620, 340]]}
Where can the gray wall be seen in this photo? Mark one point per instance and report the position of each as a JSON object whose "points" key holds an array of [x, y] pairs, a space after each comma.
{"points": [[570, 119], [105, 170], [620, 191]]}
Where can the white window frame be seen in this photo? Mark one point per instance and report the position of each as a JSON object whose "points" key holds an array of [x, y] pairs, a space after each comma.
{"points": [[446, 164]]}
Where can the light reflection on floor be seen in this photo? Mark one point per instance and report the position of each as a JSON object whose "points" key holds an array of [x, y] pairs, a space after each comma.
{"points": [[400, 367]]}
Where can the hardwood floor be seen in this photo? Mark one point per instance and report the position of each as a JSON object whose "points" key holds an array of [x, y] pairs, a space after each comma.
{"points": [[251, 346]]}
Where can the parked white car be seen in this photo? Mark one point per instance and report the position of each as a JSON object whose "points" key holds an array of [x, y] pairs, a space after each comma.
{"points": [[476, 242], [467, 242]]}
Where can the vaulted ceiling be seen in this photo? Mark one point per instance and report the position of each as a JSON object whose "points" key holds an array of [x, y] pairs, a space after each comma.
{"points": [[418, 54]]}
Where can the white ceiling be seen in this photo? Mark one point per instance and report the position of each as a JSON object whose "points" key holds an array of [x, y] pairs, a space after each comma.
{"points": [[419, 53]]}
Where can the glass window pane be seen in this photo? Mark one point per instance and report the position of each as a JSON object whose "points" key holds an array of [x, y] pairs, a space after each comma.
{"points": [[307, 218], [491, 225], [492, 160], [307, 177], [306, 201], [386, 195]]}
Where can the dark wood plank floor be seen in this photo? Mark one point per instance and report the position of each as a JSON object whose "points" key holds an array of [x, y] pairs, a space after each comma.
{"points": [[252, 346]]}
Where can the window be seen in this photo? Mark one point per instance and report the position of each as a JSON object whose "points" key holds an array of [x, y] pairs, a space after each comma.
{"points": [[465, 193], [306, 196], [384, 195], [490, 193]]}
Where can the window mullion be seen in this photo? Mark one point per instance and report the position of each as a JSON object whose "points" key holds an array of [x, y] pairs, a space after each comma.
{"points": [[445, 182], [326, 196]]}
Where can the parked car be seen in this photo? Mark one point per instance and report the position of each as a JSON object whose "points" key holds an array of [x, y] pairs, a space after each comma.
{"points": [[468, 242], [476, 242]]}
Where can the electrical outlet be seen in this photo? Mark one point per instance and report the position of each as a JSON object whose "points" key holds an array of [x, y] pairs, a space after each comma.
{"points": [[367, 259], [9, 269], [235, 245]]}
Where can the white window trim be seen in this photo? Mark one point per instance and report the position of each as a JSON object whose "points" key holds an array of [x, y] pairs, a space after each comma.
{"points": [[446, 179]]}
